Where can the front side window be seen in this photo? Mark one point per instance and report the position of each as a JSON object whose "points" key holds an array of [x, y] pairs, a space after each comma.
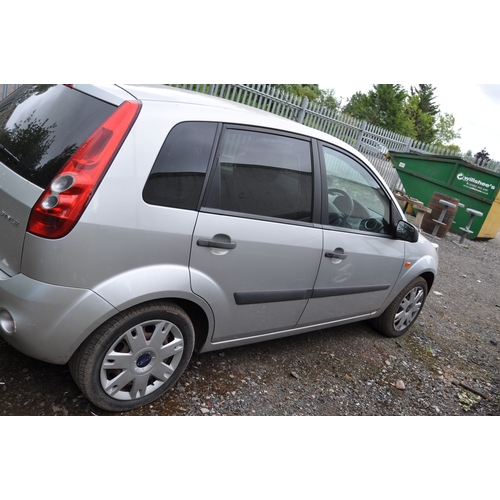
{"points": [[177, 177], [263, 174], [355, 199]]}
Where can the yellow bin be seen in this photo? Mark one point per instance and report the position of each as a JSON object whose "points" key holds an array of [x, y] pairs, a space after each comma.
{"points": [[491, 225]]}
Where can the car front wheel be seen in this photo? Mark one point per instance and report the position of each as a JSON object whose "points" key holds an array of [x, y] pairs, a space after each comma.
{"points": [[135, 357], [404, 310]]}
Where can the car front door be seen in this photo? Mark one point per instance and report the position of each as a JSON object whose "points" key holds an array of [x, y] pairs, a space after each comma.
{"points": [[361, 260], [255, 251]]}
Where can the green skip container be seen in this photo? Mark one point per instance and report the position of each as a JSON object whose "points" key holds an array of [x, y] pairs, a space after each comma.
{"points": [[475, 187]]}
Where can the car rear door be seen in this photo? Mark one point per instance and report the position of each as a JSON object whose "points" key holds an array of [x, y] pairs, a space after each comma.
{"points": [[256, 251]]}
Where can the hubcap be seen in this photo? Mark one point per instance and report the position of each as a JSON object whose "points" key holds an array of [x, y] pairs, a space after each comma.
{"points": [[142, 360], [409, 308]]}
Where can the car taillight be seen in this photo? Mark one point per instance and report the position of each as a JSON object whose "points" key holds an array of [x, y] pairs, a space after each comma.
{"points": [[61, 205]]}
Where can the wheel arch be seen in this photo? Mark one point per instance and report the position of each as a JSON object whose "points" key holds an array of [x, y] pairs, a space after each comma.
{"points": [[429, 277], [168, 283], [202, 323], [199, 319]]}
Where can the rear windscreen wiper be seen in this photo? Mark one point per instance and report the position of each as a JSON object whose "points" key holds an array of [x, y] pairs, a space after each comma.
{"points": [[7, 152]]}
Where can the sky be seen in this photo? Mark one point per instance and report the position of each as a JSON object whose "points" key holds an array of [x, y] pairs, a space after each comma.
{"points": [[476, 108]]}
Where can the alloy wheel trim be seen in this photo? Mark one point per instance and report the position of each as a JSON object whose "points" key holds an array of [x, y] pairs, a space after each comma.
{"points": [[408, 308], [141, 360]]}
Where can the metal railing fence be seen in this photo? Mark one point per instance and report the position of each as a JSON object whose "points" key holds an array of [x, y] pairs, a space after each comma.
{"points": [[7, 88], [342, 126]]}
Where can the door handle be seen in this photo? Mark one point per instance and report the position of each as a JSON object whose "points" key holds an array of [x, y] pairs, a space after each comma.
{"points": [[226, 245], [335, 255]]}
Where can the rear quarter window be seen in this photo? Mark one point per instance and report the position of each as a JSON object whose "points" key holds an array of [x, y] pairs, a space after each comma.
{"points": [[41, 126], [178, 174]]}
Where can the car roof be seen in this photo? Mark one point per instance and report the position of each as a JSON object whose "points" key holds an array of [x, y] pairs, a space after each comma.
{"points": [[235, 112]]}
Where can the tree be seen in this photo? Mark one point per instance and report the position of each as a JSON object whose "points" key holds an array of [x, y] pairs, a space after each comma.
{"points": [[390, 100], [423, 123], [390, 106], [309, 90], [359, 106], [422, 112], [445, 126], [328, 100], [383, 106], [312, 91], [425, 93]]}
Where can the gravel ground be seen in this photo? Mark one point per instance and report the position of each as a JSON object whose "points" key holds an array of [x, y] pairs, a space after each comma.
{"points": [[447, 364]]}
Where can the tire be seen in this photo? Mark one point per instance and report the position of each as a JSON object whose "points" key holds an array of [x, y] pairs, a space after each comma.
{"points": [[403, 310], [135, 357]]}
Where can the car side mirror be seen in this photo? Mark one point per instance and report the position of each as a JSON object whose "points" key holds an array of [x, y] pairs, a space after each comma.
{"points": [[406, 231]]}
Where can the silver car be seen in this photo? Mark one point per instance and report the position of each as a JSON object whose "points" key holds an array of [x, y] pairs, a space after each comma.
{"points": [[141, 223], [370, 145]]}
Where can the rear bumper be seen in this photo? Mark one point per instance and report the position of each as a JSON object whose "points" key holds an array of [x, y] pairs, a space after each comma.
{"points": [[50, 321]]}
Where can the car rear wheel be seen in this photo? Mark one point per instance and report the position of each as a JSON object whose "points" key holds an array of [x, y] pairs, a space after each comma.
{"points": [[135, 357], [403, 311]]}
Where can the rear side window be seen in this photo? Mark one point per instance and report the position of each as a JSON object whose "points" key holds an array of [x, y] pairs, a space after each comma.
{"points": [[263, 174], [41, 126], [177, 177]]}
